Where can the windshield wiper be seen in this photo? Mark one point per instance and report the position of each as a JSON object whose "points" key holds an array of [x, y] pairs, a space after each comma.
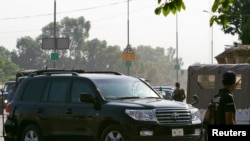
{"points": [[152, 97], [128, 97]]}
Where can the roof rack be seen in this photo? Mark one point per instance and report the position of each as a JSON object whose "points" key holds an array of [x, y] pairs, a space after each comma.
{"points": [[31, 73], [46, 71], [107, 72]]}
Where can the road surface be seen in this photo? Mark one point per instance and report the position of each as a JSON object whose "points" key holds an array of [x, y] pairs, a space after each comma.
{"points": [[1, 131], [1, 127]]}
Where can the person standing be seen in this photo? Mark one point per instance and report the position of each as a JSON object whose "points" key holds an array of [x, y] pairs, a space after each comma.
{"points": [[179, 93], [11, 93], [223, 110], [226, 107]]}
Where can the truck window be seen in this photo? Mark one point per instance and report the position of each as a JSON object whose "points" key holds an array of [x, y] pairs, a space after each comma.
{"points": [[238, 81], [206, 81]]}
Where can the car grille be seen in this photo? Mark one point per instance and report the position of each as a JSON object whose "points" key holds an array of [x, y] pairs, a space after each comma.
{"points": [[173, 116]]}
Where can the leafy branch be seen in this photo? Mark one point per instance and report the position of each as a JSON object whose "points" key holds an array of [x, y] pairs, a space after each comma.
{"points": [[221, 7]]}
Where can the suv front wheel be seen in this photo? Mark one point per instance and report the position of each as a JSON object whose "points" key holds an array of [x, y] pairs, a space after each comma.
{"points": [[31, 133], [113, 132]]}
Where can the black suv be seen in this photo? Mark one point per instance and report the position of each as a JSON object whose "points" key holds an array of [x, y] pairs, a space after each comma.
{"points": [[104, 105]]}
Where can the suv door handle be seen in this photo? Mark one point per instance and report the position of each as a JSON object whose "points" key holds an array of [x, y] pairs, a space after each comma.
{"points": [[68, 111]]}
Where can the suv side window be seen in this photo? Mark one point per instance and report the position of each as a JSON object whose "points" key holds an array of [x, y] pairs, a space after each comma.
{"points": [[59, 90], [80, 86], [34, 90]]}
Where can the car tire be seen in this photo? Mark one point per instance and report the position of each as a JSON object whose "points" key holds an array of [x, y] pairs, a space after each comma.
{"points": [[113, 132], [31, 132]]}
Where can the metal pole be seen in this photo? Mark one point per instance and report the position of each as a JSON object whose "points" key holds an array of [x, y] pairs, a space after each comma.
{"points": [[212, 38], [55, 42], [128, 21], [128, 27], [212, 44], [177, 57]]}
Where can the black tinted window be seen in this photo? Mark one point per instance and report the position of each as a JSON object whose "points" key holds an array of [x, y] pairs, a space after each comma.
{"points": [[80, 86], [34, 90], [59, 90]]}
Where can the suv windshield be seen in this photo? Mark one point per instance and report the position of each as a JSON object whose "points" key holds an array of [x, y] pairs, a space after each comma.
{"points": [[124, 88], [8, 86]]}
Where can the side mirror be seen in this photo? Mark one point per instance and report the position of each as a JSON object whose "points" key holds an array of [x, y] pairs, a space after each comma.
{"points": [[196, 99]]}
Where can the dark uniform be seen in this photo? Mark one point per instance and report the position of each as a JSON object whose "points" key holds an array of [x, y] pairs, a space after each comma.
{"points": [[179, 95], [226, 104]]}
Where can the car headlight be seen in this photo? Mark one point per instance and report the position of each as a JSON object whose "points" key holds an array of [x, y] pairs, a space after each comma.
{"points": [[142, 115], [195, 114]]}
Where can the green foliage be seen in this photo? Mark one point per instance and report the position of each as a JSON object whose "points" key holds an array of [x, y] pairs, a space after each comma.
{"points": [[169, 6], [232, 15], [77, 30], [246, 34], [8, 69], [29, 53], [219, 6], [154, 64], [4, 52], [238, 18]]}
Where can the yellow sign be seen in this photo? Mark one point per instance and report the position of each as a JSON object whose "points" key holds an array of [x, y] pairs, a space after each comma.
{"points": [[128, 57], [128, 54]]}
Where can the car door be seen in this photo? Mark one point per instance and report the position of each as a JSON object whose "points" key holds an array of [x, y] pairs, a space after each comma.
{"points": [[80, 116], [31, 106], [53, 104]]}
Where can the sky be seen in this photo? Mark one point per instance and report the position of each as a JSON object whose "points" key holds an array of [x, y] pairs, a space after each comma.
{"points": [[189, 31]]}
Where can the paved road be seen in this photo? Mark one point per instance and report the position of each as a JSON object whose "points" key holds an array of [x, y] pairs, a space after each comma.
{"points": [[2, 139], [1, 127]]}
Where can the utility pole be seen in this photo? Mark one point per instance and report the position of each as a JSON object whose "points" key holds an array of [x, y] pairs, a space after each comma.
{"points": [[212, 38], [55, 39], [128, 29], [177, 66]]}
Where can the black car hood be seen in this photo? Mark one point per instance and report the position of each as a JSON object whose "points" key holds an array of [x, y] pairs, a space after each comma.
{"points": [[148, 103]]}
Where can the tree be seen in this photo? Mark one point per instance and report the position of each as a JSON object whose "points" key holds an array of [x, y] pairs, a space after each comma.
{"points": [[4, 52], [7, 68], [245, 36], [155, 64], [232, 15], [77, 30], [221, 7], [29, 55], [238, 20], [99, 56]]}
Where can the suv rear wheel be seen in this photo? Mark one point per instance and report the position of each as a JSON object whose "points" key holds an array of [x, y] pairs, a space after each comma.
{"points": [[112, 133], [31, 133]]}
